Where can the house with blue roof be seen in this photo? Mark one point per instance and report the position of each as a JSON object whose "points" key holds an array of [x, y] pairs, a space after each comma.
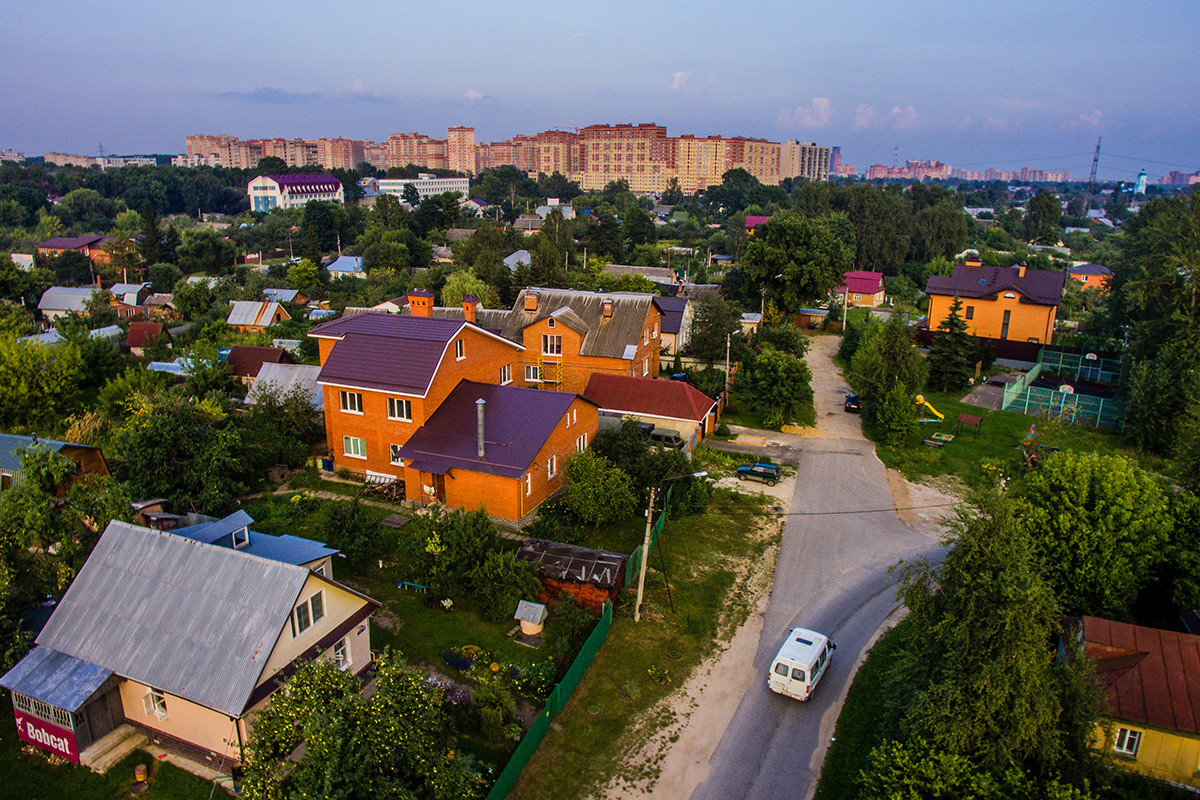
{"points": [[90, 460], [234, 532], [347, 265]]}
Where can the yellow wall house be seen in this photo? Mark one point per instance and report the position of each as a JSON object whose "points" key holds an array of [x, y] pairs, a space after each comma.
{"points": [[1012, 303], [181, 639], [1149, 678]]}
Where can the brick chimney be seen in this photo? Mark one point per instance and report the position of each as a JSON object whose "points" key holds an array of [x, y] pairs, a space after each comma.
{"points": [[420, 303], [531, 301], [470, 305], [608, 303], [1021, 270]]}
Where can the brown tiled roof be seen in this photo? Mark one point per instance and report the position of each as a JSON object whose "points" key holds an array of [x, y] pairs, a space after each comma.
{"points": [[1148, 675], [651, 396], [1043, 287], [246, 360]]}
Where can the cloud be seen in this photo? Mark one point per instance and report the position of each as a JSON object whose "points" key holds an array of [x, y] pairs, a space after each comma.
{"points": [[679, 82], [271, 96], [902, 118], [1091, 120], [474, 95], [816, 115], [864, 115], [364, 93]]}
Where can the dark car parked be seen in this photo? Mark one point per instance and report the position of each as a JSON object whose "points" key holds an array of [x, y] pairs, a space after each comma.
{"points": [[852, 404], [763, 473]]}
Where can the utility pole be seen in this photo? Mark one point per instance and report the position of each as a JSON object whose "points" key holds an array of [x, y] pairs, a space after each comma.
{"points": [[637, 609], [728, 336]]}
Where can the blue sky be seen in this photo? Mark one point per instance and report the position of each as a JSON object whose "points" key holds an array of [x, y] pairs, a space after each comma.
{"points": [[973, 84]]}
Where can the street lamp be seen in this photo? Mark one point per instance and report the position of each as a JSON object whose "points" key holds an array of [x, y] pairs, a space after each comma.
{"points": [[637, 608]]}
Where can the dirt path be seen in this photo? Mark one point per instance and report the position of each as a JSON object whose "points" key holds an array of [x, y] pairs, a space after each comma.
{"points": [[677, 757]]}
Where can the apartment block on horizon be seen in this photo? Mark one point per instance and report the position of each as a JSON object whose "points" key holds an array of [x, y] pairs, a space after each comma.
{"points": [[806, 160]]}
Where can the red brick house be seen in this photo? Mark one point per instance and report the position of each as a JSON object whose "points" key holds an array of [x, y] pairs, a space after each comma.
{"points": [[91, 245], [384, 375], [498, 448]]}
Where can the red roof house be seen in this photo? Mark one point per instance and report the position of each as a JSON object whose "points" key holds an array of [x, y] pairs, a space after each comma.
{"points": [[246, 360], [669, 405], [1150, 679], [143, 335], [864, 287]]}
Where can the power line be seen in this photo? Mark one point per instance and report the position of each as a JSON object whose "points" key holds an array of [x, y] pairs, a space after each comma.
{"points": [[1022, 160], [1147, 160]]}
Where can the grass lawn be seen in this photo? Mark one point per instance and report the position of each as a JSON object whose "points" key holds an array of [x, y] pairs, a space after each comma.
{"points": [[705, 555], [278, 514], [858, 731], [998, 439], [32, 776]]}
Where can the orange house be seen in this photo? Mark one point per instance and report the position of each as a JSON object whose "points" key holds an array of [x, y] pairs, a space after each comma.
{"points": [[1092, 276], [249, 316], [502, 449], [1014, 303], [91, 246], [383, 376]]}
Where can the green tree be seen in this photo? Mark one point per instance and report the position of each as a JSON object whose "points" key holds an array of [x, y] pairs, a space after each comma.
{"points": [[939, 231], [981, 680], [151, 239], [715, 318], [952, 353], [163, 277], [596, 491], [895, 418], [39, 384], [1042, 219], [389, 213], [886, 360], [304, 275], [410, 195], [396, 743], [202, 250], [73, 268], [1099, 525], [500, 581], [637, 228], [779, 383], [460, 284], [13, 282], [797, 260], [349, 528], [192, 298]]}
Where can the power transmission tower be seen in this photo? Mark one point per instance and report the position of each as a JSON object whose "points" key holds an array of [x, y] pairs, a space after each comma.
{"points": [[1095, 163]]}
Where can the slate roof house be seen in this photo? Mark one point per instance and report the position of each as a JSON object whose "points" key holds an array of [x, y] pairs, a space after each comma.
{"points": [[58, 301], [128, 299], [499, 448], [383, 375], [1149, 679], [347, 265], [180, 639], [283, 378], [90, 460], [668, 405], [1091, 275], [589, 576], [249, 316], [1003, 303], [294, 296]]}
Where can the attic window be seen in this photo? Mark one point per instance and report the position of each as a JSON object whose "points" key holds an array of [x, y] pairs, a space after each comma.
{"points": [[241, 538], [1009, 295], [550, 322]]}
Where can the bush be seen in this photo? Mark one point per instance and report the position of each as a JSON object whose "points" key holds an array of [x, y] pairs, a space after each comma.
{"points": [[723, 430], [500, 581], [496, 712], [537, 679]]}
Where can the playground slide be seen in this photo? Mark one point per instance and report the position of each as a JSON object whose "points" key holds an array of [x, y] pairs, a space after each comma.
{"points": [[922, 401]]}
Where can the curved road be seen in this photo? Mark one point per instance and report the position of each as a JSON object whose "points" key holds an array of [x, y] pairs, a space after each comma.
{"points": [[840, 538]]}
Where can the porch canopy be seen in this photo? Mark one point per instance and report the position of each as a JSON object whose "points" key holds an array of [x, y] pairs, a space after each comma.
{"points": [[55, 678]]}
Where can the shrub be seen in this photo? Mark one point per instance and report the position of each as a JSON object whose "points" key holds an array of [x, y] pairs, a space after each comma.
{"points": [[500, 581], [496, 711]]}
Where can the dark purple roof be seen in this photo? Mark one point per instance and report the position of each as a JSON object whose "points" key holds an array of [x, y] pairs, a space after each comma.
{"points": [[1044, 287], [385, 351], [418, 293], [1090, 269], [318, 179], [517, 423], [672, 309], [73, 242]]}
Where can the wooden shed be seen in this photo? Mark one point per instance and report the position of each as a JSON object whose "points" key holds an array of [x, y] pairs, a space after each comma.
{"points": [[590, 576]]}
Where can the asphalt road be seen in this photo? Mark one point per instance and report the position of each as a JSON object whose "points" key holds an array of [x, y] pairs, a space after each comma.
{"points": [[840, 538]]}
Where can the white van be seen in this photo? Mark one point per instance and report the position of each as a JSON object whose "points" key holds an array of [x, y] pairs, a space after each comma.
{"points": [[800, 663]]}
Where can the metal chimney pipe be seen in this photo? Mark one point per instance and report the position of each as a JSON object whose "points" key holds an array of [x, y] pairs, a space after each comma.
{"points": [[479, 404]]}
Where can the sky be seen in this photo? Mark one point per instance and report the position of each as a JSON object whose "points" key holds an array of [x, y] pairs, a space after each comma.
{"points": [[971, 83]]}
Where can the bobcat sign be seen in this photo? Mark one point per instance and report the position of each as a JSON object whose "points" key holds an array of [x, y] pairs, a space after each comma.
{"points": [[42, 734]]}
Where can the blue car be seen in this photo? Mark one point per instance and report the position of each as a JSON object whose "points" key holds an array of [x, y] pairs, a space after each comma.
{"points": [[852, 404], [769, 474]]}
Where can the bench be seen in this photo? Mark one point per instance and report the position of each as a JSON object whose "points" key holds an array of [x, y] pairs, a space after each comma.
{"points": [[416, 587], [933, 442]]}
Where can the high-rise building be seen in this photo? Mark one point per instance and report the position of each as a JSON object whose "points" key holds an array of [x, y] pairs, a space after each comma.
{"points": [[344, 154], [417, 149], [460, 149], [807, 160], [634, 153]]}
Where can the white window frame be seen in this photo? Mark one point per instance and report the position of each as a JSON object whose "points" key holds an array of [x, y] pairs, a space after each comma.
{"points": [[154, 703], [341, 654], [1127, 741], [460, 349], [399, 408], [551, 344], [581, 443], [348, 447], [506, 374], [654, 331], [645, 366], [393, 457], [551, 467], [645, 336], [857, 297], [533, 373], [351, 402], [243, 541], [529, 484]]}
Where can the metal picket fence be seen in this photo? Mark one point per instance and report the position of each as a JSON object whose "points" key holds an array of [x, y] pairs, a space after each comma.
{"points": [[554, 703], [1076, 408]]}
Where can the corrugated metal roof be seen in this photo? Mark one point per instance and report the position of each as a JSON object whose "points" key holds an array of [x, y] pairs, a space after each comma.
{"points": [[656, 274], [283, 377], [281, 295], [55, 678], [10, 444], [195, 620], [517, 423], [607, 338], [251, 313], [66, 298]]}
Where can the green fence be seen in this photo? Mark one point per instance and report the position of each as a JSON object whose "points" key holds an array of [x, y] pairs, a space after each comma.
{"points": [[634, 564], [1080, 409], [554, 703]]}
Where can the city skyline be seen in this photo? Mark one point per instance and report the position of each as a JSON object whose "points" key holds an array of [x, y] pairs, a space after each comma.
{"points": [[1017, 84]]}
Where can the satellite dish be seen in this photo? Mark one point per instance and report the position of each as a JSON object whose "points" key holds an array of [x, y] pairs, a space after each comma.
{"points": [[1066, 388], [1090, 356]]}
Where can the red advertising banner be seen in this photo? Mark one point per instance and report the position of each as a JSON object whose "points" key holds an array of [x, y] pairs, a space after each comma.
{"points": [[37, 732]]}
